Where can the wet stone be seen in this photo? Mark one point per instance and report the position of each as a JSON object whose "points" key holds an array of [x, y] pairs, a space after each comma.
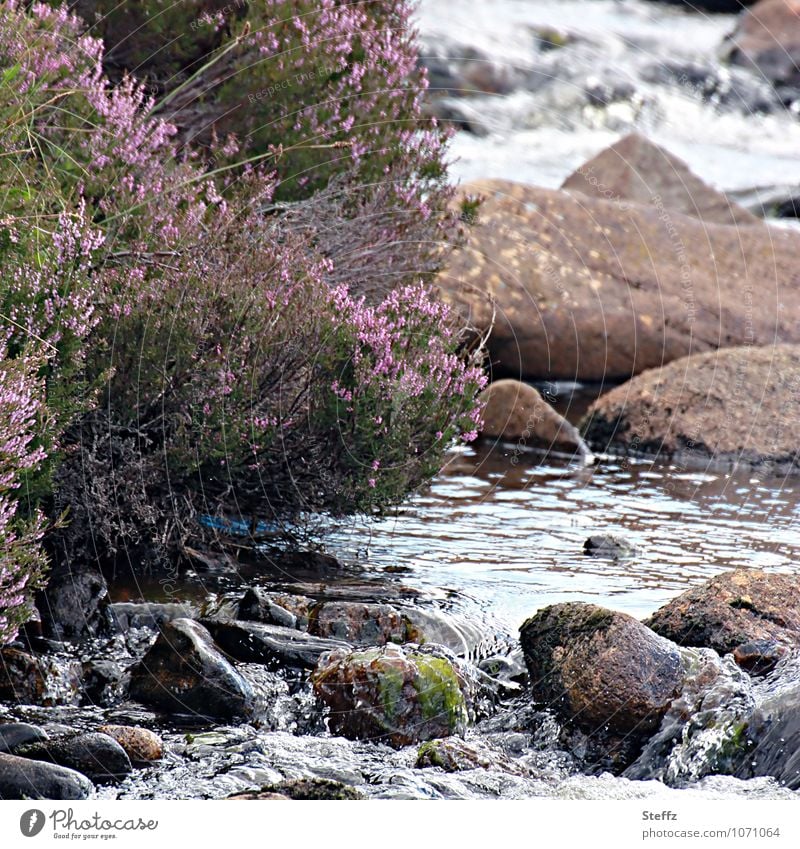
{"points": [[308, 789], [21, 778], [95, 755], [398, 695], [26, 678], [254, 642], [129, 615], [602, 671], [14, 734], [140, 744], [185, 673]]}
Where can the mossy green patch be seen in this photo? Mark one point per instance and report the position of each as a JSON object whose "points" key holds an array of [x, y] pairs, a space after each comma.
{"points": [[438, 690]]}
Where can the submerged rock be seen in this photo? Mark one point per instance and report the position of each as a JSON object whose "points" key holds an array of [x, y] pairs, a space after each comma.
{"points": [[184, 672], [771, 739], [359, 622], [140, 744], [305, 789], [95, 755], [602, 671], [750, 612], [21, 778], [719, 409], [128, 615], [583, 288], [454, 755], [398, 695], [516, 412], [608, 545]]}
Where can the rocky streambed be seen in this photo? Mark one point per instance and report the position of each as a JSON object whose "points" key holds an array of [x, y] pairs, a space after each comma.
{"points": [[322, 682]]}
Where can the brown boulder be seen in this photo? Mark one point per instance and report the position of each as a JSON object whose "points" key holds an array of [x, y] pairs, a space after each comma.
{"points": [[638, 170], [767, 40], [719, 409], [601, 670], [736, 611], [516, 412], [583, 288]]}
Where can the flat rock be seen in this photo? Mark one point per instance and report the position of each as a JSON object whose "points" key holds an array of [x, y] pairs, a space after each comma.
{"points": [[21, 778], [128, 615], [581, 288], [638, 170], [719, 409], [516, 412], [733, 611], [184, 672], [255, 642]]}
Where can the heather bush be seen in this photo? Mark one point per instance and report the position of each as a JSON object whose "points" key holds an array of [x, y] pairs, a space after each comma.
{"points": [[205, 349], [22, 561], [330, 87]]}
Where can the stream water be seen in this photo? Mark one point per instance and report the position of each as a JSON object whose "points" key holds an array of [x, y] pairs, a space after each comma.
{"points": [[499, 533]]}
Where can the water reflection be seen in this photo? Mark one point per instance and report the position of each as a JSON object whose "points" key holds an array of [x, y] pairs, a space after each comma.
{"points": [[510, 534]]}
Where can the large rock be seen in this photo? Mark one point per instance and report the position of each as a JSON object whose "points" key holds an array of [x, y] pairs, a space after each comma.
{"points": [[767, 40], [398, 695], [638, 170], [21, 778], [576, 287], [719, 409], [516, 412], [601, 670], [184, 672], [736, 609]]}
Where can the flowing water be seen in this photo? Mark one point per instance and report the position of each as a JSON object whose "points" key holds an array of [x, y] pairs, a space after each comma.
{"points": [[499, 533]]}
